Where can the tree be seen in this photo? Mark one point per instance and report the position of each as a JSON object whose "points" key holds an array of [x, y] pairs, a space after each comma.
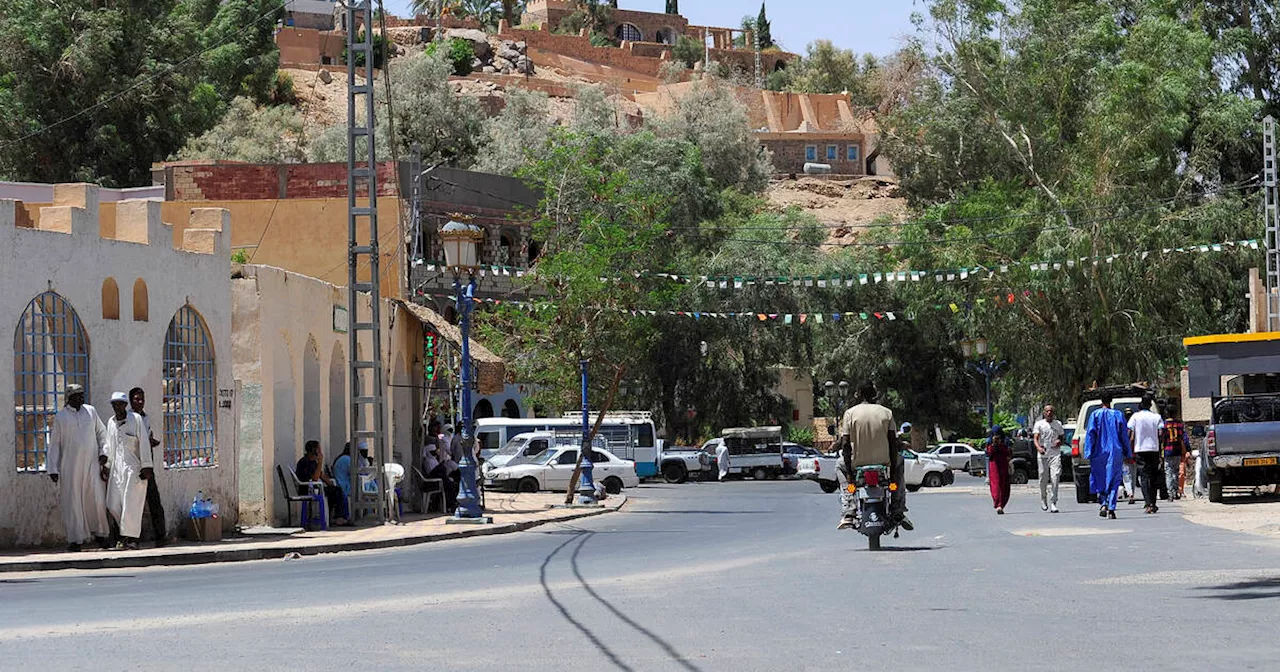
{"points": [[250, 133], [826, 68], [688, 51], [512, 138], [596, 223], [130, 86], [673, 7], [764, 30], [711, 117]]}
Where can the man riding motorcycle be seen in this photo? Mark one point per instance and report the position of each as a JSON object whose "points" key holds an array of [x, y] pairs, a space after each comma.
{"points": [[868, 436]]}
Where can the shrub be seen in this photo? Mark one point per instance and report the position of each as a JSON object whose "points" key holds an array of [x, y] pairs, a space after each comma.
{"points": [[283, 91], [688, 51], [459, 52], [800, 435]]}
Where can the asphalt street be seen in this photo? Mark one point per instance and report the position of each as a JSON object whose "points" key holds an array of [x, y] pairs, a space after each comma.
{"points": [[734, 576]]}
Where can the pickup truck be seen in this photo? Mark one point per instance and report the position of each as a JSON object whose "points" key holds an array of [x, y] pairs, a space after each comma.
{"points": [[1243, 442], [921, 471], [678, 463]]}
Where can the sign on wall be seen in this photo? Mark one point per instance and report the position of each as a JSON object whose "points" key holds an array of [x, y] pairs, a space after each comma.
{"points": [[340, 319], [225, 396]]}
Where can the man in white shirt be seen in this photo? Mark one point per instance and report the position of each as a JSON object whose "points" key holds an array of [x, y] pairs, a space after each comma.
{"points": [[155, 505], [130, 467], [1047, 435], [77, 464], [1144, 429]]}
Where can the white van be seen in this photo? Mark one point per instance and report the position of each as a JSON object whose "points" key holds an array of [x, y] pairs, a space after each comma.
{"points": [[628, 434]]}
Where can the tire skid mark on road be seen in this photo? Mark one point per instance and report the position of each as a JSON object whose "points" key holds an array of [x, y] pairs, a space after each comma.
{"points": [[374, 607], [581, 537], [662, 643]]}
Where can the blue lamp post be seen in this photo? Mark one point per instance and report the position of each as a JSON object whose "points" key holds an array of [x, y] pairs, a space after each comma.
{"points": [[989, 367], [460, 241], [586, 482]]}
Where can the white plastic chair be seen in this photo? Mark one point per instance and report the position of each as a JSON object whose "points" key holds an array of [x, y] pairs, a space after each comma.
{"points": [[393, 475]]}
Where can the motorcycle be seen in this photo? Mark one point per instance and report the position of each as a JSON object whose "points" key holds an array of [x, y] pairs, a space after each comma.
{"points": [[872, 489]]}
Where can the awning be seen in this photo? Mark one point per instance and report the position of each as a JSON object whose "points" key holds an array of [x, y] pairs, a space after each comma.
{"points": [[1209, 358], [490, 370]]}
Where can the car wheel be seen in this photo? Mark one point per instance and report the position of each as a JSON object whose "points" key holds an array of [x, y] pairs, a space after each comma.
{"points": [[528, 484], [760, 474], [674, 472], [1019, 476], [933, 480], [948, 478], [613, 485], [1215, 491], [828, 486]]}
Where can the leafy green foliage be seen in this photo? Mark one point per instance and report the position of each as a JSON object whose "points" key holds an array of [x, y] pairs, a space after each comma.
{"points": [[764, 29], [459, 52], [98, 92], [379, 52], [688, 51], [252, 134], [825, 68], [800, 435]]}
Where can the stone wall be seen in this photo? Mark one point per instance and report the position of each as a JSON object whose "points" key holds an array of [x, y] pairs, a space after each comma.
{"points": [[125, 283]]}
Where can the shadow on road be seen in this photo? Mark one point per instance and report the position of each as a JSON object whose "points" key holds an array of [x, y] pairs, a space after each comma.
{"points": [[581, 536], [903, 549], [1254, 589]]}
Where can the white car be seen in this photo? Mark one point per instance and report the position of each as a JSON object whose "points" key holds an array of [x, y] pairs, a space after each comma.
{"points": [[921, 471], [553, 469], [955, 455]]}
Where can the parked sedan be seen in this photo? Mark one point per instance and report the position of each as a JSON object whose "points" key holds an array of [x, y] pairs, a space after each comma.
{"points": [[553, 469], [793, 454], [955, 455]]}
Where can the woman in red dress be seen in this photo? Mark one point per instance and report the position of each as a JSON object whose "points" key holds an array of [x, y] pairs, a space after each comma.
{"points": [[999, 455]]}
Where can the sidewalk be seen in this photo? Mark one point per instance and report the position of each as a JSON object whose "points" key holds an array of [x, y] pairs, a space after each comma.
{"points": [[511, 513]]}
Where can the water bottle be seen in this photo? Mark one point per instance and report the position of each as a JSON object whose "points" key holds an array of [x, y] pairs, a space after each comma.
{"points": [[196, 505]]}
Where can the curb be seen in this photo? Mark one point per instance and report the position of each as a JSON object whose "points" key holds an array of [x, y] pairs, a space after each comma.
{"points": [[244, 555]]}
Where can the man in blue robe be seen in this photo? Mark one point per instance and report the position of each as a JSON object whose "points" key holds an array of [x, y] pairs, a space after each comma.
{"points": [[1107, 447]]}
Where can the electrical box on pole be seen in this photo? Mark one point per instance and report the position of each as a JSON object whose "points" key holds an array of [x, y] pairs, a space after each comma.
{"points": [[364, 334]]}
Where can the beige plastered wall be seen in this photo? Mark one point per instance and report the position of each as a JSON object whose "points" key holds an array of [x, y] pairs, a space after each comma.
{"points": [[288, 353], [71, 254]]}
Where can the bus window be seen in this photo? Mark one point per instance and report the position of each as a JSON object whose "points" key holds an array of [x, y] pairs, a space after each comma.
{"points": [[490, 440], [536, 447], [645, 439]]}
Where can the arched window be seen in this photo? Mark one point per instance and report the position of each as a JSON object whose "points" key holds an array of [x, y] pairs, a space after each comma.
{"points": [[628, 32], [667, 36], [141, 304], [50, 351], [189, 403], [484, 409], [510, 409], [110, 299]]}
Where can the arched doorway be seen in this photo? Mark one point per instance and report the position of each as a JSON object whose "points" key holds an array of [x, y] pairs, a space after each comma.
{"points": [[484, 409], [510, 409], [310, 393], [337, 403], [667, 36]]}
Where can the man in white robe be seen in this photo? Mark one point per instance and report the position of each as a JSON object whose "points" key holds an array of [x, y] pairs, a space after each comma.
{"points": [[127, 484], [77, 463], [722, 460]]}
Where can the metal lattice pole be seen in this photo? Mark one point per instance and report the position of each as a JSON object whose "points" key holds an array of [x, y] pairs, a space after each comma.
{"points": [[1271, 217], [365, 376]]}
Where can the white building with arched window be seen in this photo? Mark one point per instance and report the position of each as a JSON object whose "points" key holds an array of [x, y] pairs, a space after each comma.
{"points": [[64, 321]]}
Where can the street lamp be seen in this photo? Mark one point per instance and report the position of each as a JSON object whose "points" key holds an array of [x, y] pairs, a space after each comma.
{"points": [[840, 400], [976, 353], [460, 241]]}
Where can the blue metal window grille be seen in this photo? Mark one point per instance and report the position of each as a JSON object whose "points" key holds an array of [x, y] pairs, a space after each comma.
{"points": [[189, 395], [853, 152], [50, 351], [811, 153], [832, 152]]}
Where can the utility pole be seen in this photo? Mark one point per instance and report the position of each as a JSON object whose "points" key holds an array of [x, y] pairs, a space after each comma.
{"points": [[368, 413], [1271, 218]]}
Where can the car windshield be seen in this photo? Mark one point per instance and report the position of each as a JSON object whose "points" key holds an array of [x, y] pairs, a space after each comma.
{"points": [[909, 454], [513, 446], [547, 456]]}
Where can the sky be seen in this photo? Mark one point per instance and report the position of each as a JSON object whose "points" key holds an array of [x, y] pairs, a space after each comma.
{"points": [[865, 26]]}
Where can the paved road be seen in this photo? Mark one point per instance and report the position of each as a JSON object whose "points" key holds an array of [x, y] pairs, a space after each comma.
{"points": [[737, 576]]}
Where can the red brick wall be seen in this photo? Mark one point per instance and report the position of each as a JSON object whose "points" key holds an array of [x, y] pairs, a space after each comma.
{"points": [[580, 48], [789, 155], [244, 182], [649, 23]]}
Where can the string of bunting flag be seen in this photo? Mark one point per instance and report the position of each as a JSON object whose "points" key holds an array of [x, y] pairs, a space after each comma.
{"points": [[888, 276], [811, 317]]}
